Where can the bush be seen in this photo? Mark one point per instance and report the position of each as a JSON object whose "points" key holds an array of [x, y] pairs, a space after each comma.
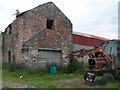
{"points": [[13, 67], [75, 66], [5, 66]]}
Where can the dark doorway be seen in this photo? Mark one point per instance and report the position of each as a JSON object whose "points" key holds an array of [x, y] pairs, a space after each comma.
{"points": [[9, 56]]}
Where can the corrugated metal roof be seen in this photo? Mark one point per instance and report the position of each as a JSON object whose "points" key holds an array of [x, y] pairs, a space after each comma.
{"points": [[90, 36], [87, 39], [82, 34], [97, 37]]}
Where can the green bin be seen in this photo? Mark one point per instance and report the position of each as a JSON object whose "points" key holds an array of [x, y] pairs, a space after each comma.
{"points": [[52, 70]]}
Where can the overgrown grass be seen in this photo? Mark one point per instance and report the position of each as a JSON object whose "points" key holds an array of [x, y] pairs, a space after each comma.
{"points": [[45, 80], [73, 67], [112, 85], [36, 80], [12, 72], [49, 81], [21, 68]]}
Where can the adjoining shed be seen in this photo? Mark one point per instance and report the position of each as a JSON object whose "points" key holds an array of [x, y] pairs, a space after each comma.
{"points": [[86, 41]]}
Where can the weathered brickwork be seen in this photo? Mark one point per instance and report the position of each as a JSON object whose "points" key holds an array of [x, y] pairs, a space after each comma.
{"points": [[44, 26]]}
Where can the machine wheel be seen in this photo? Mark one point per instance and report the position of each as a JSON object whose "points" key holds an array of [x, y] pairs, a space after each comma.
{"points": [[107, 77], [116, 74]]}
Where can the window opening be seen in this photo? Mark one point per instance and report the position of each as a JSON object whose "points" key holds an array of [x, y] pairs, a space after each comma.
{"points": [[50, 23], [10, 28]]}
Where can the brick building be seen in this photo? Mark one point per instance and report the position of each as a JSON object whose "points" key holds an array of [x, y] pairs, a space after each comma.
{"points": [[38, 36], [0, 49]]}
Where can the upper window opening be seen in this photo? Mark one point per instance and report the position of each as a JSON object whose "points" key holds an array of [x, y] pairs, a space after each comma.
{"points": [[10, 26], [50, 23]]}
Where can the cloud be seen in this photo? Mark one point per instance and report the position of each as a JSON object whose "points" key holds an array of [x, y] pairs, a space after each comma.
{"points": [[97, 17]]}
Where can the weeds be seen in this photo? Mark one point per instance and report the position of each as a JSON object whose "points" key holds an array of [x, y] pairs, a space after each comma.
{"points": [[21, 68], [75, 67]]}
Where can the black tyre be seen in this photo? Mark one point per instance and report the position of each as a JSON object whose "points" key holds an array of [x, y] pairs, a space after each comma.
{"points": [[116, 74], [106, 78]]}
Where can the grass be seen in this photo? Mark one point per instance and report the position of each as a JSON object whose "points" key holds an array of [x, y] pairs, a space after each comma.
{"points": [[11, 73], [112, 85], [38, 80], [51, 81]]}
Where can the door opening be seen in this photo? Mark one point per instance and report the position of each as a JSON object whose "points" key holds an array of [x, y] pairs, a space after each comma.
{"points": [[9, 56]]}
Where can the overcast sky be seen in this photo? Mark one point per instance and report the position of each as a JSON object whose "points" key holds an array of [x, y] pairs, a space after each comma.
{"points": [[96, 17]]}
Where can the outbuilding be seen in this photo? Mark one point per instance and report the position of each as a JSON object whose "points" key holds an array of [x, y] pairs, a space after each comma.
{"points": [[86, 41], [36, 35]]}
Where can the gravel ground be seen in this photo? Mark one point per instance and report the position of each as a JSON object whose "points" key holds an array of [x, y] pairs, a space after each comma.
{"points": [[5, 84]]}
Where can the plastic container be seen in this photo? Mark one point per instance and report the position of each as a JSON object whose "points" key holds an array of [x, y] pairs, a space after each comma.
{"points": [[52, 70]]}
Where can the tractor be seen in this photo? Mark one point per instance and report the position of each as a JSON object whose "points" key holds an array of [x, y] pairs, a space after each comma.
{"points": [[103, 61]]}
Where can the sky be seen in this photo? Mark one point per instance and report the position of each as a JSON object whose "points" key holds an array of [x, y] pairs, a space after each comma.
{"points": [[96, 17]]}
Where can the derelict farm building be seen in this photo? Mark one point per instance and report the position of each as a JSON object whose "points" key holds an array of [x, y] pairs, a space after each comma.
{"points": [[38, 36]]}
